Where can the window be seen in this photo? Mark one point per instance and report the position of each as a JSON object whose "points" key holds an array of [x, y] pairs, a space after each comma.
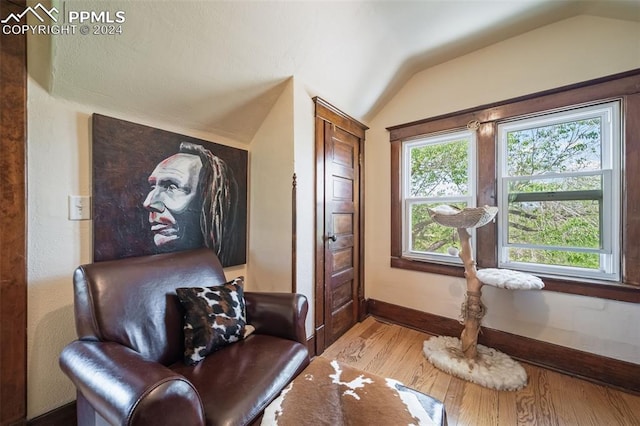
{"points": [[437, 170], [559, 193], [561, 165]]}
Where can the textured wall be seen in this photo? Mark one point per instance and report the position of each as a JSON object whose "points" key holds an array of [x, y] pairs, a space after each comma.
{"points": [[271, 171], [305, 161], [284, 144]]}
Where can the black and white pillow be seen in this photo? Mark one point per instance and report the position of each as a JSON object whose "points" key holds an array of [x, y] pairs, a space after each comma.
{"points": [[214, 318]]}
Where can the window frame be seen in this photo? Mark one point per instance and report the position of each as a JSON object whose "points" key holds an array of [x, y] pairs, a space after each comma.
{"points": [[408, 200], [623, 86], [609, 195]]}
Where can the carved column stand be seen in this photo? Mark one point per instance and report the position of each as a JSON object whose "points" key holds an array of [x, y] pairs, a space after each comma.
{"points": [[473, 310], [463, 357]]}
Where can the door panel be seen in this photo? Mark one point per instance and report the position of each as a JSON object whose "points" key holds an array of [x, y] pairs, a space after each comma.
{"points": [[343, 154], [342, 236], [342, 259], [342, 320], [342, 189], [343, 223], [339, 294]]}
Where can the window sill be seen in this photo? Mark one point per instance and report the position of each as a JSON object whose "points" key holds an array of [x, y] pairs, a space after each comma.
{"points": [[422, 266], [611, 291]]}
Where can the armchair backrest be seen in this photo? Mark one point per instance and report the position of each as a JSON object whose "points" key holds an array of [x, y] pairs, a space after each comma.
{"points": [[133, 301]]}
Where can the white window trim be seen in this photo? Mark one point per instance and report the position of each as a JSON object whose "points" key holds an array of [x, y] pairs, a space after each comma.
{"points": [[407, 201], [610, 113]]}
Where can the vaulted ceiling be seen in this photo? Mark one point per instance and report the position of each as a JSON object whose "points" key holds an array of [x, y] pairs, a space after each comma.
{"points": [[219, 66]]}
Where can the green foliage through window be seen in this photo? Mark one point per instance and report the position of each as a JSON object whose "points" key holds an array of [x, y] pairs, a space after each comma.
{"points": [[440, 169], [429, 237], [439, 173], [554, 184]]}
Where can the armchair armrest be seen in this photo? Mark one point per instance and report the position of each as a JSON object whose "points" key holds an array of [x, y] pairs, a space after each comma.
{"points": [[278, 314], [127, 389]]}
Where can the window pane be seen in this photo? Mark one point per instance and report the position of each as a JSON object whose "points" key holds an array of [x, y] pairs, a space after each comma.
{"points": [[429, 237], [561, 212], [555, 223], [559, 193], [555, 257], [439, 169], [565, 147], [564, 184]]}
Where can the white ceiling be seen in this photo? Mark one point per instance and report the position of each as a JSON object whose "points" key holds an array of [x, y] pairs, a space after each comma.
{"points": [[219, 66]]}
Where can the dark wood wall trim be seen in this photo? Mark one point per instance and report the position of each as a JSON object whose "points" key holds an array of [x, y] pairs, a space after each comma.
{"points": [[620, 292], [13, 273], [328, 112], [318, 320], [595, 368], [630, 246], [311, 346], [61, 416]]}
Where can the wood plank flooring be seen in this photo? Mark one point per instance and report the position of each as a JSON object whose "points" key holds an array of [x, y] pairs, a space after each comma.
{"points": [[550, 398]]}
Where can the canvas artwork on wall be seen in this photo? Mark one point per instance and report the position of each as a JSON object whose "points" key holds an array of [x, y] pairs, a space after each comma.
{"points": [[156, 191]]}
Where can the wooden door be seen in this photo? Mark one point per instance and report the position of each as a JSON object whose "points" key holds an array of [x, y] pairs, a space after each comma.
{"points": [[341, 266], [339, 294]]}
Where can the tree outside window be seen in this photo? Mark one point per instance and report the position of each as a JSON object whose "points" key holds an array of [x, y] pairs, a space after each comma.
{"points": [[559, 180], [439, 170]]}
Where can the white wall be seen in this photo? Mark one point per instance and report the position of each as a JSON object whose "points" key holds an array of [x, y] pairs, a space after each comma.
{"points": [[59, 164], [566, 52], [305, 162], [270, 217], [284, 144]]}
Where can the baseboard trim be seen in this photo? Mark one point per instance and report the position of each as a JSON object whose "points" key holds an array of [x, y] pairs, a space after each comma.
{"points": [[595, 368], [311, 346], [61, 416]]}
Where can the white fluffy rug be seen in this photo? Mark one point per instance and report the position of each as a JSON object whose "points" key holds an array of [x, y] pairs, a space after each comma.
{"points": [[492, 368]]}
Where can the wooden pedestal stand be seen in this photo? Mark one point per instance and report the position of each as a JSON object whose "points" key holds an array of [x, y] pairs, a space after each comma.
{"points": [[463, 357], [472, 308]]}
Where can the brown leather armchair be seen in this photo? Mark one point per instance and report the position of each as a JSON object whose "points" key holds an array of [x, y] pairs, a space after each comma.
{"points": [[127, 364]]}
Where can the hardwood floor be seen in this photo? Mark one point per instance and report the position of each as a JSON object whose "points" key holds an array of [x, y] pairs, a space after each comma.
{"points": [[550, 398]]}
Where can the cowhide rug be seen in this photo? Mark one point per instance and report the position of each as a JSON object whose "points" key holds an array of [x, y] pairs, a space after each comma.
{"points": [[329, 393]]}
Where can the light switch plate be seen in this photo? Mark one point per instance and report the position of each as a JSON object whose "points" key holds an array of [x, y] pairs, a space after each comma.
{"points": [[79, 207]]}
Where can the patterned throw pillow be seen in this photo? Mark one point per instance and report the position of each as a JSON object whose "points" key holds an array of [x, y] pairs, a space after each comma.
{"points": [[214, 317]]}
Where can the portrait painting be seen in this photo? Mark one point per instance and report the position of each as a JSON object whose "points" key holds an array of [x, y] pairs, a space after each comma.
{"points": [[156, 191]]}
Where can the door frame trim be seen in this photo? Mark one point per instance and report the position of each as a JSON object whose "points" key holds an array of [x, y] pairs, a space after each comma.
{"points": [[327, 113], [13, 227]]}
